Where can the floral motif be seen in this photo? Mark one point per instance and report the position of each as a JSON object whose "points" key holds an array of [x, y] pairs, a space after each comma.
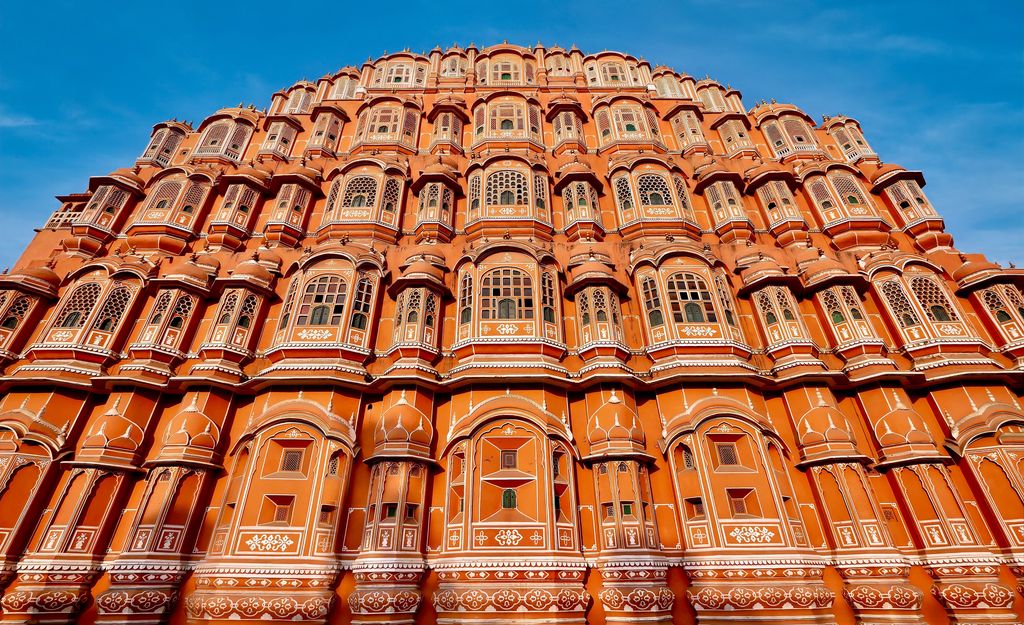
{"points": [[508, 537], [269, 542], [747, 534]]}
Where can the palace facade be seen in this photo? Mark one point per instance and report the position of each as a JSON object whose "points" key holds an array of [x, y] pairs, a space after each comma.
{"points": [[506, 334]]}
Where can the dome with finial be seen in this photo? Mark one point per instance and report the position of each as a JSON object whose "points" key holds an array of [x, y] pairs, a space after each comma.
{"points": [[902, 426], [615, 428], [974, 271], [402, 431], [191, 427], [249, 173], [824, 424], [253, 271], [39, 278], [190, 271], [761, 270], [818, 268], [127, 177], [114, 431]]}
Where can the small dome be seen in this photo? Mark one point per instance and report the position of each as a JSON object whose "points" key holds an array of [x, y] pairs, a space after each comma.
{"points": [[763, 268], [207, 261], [440, 167], [127, 176], [972, 270], [301, 169], [43, 274], [114, 431], [255, 173], [269, 258], [564, 99], [703, 163], [822, 268], [592, 270], [423, 268], [189, 271], [824, 424], [766, 170], [575, 166], [191, 427], [884, 171], [252, 270], [615, 427], [403, 430], [902, 426]]}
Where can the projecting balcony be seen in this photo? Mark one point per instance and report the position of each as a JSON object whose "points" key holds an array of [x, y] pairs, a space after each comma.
{"points": [[229, 154], [446, 142], [512, 220], [788, 152], [857, 153], [632, 141], [512, 138], [398, 141], [566, 141], [504, 82]]}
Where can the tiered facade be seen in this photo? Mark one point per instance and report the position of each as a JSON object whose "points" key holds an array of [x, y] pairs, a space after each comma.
{"points": [[509, 334]]}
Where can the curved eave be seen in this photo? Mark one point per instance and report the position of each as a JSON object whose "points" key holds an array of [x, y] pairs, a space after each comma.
{"points": [[888, 178]]}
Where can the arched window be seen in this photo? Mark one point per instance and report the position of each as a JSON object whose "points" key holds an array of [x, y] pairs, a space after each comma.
{"points": [[508, 499], [823, 197], [932, 299], [603, 124], [690, 299], [652, 301], [507, 187], [248, 312], [164, 194], [474, 192], [466, 299], [547, 295], [583, 306], [687, 457], [628, 121], [390, 197], [506, 293], [79, 304], [114, 308], [182, 309], [580, 201], [653, 190], [360, 191], [16, 312], [778, 201], [362, 304], [624, 199], [159, 308], [227, 307], [507, 117], [323, 302], [725, 297], [540, 191], [851, 193], [894, 294], [1002, 300]]}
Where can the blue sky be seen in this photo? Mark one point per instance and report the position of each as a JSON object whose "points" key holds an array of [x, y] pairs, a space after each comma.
{"points": [[937, 86]]}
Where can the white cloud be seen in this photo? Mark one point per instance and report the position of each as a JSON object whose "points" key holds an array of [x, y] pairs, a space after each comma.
{"points": [[16, 121]]}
